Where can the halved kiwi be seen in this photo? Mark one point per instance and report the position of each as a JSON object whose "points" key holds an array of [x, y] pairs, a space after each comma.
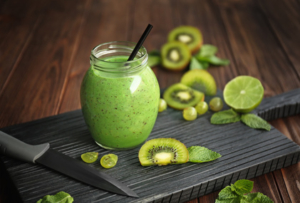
{"points": [[175, 56], [180, 96], [200, 80], [163, 151], [189, 35]]}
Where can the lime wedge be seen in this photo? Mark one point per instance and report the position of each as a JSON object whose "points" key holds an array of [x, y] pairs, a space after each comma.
{"points": [[243, 93]]}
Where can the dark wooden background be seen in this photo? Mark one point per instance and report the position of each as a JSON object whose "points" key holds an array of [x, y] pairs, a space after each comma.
{"points": [[45, 47]]}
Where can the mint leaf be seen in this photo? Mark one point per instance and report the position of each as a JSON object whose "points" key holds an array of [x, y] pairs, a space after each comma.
{"points": [[256, 198], [223, 117], [195, 64], [204, 64], [242, 187], [227, 193], [228, 196], [254, 121], [207, 50], [201, 154], [154, 58], [214, 60], [60, 197]]}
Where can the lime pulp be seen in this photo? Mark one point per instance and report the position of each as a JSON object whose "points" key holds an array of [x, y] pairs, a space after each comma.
{"points": [[243, 93]]}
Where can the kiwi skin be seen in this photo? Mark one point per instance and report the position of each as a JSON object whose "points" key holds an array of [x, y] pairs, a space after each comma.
{"points": [[159, 144]]}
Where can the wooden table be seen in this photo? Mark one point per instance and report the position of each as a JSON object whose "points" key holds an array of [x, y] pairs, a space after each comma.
{"points": [[45, 48]]}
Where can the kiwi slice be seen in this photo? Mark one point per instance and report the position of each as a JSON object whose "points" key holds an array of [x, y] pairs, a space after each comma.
{"points": [[189, 35], [163, 151], [200, 80], [175, 56], [180, 96]]}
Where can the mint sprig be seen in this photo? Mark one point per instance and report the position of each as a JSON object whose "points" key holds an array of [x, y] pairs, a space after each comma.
{"points": [[255, 121], [207, 55], [239, 192], [198, 154], [230, 116], [226, 116]]}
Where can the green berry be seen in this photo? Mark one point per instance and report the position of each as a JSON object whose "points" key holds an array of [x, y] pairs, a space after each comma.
{"points": [[162, 105], [89, 157], [216, 104], [189, 113], [201, 108], [109, 160]]}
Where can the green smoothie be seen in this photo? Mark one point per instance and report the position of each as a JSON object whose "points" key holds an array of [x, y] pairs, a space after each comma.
{"points": [[120, 111]]}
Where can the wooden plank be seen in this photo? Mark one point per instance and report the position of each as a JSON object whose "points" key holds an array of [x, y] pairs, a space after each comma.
{"points": [[244, 156], [287, 178], [35, 87], [259, 53], [18, 20], [281, 186], [286, 26], [105, 21]]}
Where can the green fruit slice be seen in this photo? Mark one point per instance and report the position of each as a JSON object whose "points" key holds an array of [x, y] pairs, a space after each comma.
{"points": [[243, 93], [109, 160], [189, 35], [200, 80], [179, 96], [163, 151], [175, 56], [89, 157]]}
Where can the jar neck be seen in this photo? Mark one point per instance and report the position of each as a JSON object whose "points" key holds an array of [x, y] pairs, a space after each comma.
{"points": [[110, 59]]}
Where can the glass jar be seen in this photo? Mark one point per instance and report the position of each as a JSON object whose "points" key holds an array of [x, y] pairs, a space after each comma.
{"points": [[119, 98]]}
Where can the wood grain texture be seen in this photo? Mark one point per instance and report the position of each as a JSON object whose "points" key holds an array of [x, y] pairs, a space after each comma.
{"points": [[104, 21], [42, 70], [257, 46], [18, 20], [244, 155], [286, 27], [288, 179]]}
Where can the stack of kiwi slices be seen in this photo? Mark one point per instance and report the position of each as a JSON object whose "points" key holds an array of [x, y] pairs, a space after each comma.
{"points": [[191, 90], [182, 42]]}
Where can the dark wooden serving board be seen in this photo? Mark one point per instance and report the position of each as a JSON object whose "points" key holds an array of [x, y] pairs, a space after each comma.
{"points": [[246, 153]]}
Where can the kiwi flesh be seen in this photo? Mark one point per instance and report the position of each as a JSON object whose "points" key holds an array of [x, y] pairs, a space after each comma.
{"points": [[163, 151], [175, 56], [200, 80], [189, 35], [180, 96]]}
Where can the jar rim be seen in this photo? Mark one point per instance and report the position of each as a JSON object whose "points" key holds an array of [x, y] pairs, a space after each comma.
{"points": [[143, 52]]}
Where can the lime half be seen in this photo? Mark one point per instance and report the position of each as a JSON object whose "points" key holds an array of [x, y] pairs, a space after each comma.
{"points": [[243, 93]]}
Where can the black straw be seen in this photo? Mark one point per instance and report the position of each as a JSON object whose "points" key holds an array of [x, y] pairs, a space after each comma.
{"points": [[140, 43]]}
